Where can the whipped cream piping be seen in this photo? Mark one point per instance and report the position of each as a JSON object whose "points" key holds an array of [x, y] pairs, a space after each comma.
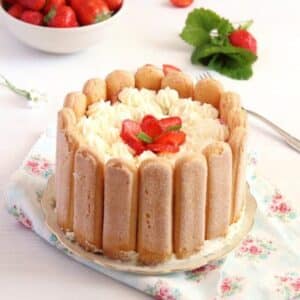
{"points": [[102, 126]]}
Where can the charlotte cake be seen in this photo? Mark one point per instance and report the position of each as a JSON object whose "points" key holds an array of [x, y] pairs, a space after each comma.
{"points": [[143, 168]]}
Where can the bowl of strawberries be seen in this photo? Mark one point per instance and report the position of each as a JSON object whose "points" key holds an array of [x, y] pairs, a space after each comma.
{"points": [[60, 26]]}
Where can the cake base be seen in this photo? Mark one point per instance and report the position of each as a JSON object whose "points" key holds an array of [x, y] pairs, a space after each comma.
{"points": [[211, 250]]}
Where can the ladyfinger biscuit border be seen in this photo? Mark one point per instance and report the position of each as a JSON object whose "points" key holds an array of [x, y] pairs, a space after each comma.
{"points": [[88, 199], [120, 209], [219, 189], [190, 205], [155, 238]]}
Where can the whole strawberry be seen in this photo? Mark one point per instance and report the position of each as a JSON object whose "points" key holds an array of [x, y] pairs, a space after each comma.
{"points": [[32, 17], [114, 5], [90, 11], [243, 39], [33, 4], [62, 16], [16, 10], [53, 4]]}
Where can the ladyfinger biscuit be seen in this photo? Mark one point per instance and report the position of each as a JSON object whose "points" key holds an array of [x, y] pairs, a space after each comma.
{"points": [[209, 91], [155, 211], [149, 77], [190, 205], [66, 119], [88, 199], [67, 144], [95, 90], [219, 189], [77, 102], [237, 117], [238, 142], [116, 81], [229, 101], [120, 209], [180, 82]]}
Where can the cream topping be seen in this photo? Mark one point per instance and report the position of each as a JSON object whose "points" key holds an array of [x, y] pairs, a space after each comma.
{"points": [[102, 126]]}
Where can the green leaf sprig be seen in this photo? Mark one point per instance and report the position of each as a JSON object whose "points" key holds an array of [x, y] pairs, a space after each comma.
{"points": [[208, 33], [33, 96]]}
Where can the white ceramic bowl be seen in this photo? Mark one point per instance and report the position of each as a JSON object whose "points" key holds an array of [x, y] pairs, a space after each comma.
{"points": [[59, 40]]}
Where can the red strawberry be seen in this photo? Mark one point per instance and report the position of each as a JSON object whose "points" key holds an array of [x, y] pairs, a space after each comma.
{"points": [[10, 1], [181, 3], [175, 138], [243, 39], [16, 10], [33, 4], [170, 123], [53, 4], [129, 132], [114, 4], [161, 148], [169, 68], [150, 125], [62, 16], [90, 11], [32, 17]]}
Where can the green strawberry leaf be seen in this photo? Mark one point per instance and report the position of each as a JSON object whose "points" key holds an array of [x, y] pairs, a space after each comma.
{"points": [[202, 24], [195, 36], [209, 33], [230, 68], [174, 128], [144, 137], [238, 54], [228, 60]]}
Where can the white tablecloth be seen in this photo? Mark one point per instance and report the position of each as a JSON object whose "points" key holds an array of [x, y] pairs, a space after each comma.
{"points": [[29, 268]]}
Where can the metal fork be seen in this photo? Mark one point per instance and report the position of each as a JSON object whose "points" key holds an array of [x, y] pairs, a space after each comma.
{"points": [[288, 138]]}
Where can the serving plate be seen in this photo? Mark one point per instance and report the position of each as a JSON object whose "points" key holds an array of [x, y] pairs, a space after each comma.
{"points": [[211, 250]]}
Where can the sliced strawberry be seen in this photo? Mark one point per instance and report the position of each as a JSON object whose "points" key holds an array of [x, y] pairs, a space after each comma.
{"points": [[170, 123], [171, 137], [162, 148], [130, 130], [150, 125], [169, 68]]}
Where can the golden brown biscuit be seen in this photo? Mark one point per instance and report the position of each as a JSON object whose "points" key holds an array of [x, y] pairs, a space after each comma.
{"points": [[155, 211], [208, 91], [116, 81], [237, 117], [77, 102], [238, 143], [219, 189], [229, 101], [149, 77], [66, 118], [95, 90], [88, 199], [190, 205], [66, 146], [180, 82], [120, 209]]}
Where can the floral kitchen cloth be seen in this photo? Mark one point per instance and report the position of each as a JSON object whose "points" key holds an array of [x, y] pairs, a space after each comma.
{"points": [[266, 265]]}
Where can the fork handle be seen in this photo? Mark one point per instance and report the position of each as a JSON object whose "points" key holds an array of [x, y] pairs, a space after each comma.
{"points": [[289, 139]]}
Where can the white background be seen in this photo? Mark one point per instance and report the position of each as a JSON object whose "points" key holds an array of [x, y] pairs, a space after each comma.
{"points": [[148, 33]]}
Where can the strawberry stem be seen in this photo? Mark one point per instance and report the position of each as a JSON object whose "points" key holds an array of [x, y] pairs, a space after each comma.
{"points": [[31, 95], [244, 24], [6, 83]]}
